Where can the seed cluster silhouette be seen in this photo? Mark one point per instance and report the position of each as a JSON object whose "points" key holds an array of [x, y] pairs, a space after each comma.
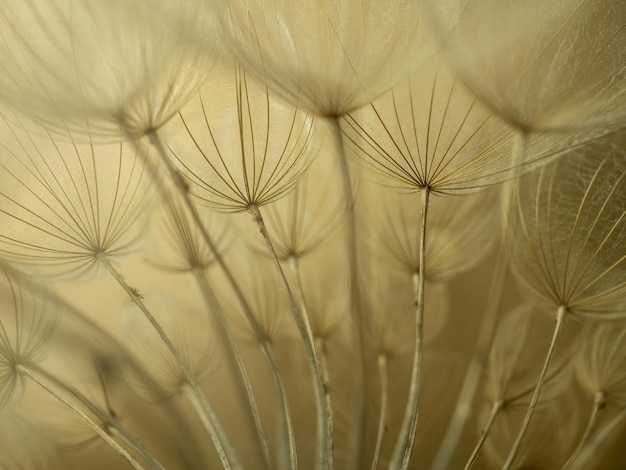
{"points": [[315, 234]]}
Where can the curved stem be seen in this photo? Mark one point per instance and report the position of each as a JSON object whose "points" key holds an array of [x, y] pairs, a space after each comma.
{"points": [[235, 358], [495, 410], [324, 419], [463, 407], [283, 415], [288, 458], [182, 188], [201, 405], [113, 425], [560, 317], [208, 418], [359, 398], [520, 138], [382, 419], [599, 402], [123, 435], [78, 412], [406, 439], [319, 343], [600, 441]]}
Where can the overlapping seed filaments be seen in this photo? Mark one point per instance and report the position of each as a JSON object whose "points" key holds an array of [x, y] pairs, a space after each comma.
{"points": [[567, 231], [565, 237], [330, 57], [98, 70], [431, 136], [64, 204], [539, 65]]}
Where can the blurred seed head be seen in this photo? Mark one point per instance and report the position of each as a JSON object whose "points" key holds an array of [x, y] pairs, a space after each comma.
{"points": [[327, 57], [567, 231], [106, 70], [63, 204], [190, 330], [601, 361], [539, 65]]}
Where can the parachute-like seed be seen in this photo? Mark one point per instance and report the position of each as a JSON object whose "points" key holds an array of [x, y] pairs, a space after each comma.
{"points": [[99, 71], [329, 57], [567, 231], [540, 65], [238, 146], [63, 204]]}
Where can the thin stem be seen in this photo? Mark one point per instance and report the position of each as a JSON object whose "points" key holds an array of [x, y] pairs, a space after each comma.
{"points": [[560, 317], [288, 458], [520, 138], [463, 406], [324, 427], [601, 440], [406, 439], [295, 269], [181, 186], [382, 418], [183, 190], [118, 431], [113, 425], [495, 410], [283, 415], [78, 412], [235, 358], [204, 410], [599, 402], [359, 409], [208, 418], [319, 343]]}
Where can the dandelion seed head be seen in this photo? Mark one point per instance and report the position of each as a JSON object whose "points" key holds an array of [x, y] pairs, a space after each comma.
{"points": [[64, 204], [541, 66], [601, 359], [328, 57], [567, 231], [238, 146], [107, 70]]}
